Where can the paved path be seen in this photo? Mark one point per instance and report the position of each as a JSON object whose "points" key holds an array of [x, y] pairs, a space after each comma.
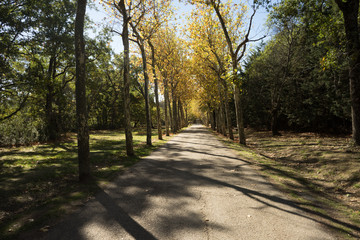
{"points": [[193, 188]]}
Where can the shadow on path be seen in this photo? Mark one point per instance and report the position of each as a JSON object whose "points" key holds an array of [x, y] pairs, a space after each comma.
{"points": [[170, 182]]}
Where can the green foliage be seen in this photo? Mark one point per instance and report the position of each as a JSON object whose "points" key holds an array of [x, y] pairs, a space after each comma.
{"points": [[301, 73], [21, 129]]}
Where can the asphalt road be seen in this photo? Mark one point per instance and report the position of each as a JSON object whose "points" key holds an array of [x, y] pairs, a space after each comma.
{"points": [[192, 188]]}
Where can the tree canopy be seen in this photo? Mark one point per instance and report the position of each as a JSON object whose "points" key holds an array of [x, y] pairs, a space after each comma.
{"points": [[210, 69]]}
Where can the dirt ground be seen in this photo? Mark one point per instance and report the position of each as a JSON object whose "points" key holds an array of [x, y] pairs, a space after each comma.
{"points": [[330, 163]]}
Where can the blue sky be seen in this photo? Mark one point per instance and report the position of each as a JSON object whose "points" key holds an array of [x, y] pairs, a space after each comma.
{"points": [[97, 16]]}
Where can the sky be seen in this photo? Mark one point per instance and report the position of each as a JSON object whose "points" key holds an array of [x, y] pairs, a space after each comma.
{"points": [[98, 17]]}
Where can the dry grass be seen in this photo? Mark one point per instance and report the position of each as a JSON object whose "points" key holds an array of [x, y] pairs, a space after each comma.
{"points": [[321, 173], [332, 164]]}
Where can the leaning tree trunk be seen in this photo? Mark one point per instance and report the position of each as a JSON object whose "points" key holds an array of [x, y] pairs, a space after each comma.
{"points": [[350, 10], [126, 44], [80, 90]]}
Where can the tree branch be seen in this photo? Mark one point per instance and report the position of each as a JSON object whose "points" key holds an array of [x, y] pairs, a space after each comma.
{"points": [[22, 104], [247, 34]]}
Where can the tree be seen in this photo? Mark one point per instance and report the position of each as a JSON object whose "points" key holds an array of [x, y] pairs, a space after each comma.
{"points": [[36, 45], [123, 10], [141, 43], [209, 47], [236, 41], [16, 18], [156, 82], [300, 72], [168, 63], [81, 111], [151, 15], [350, 10]]}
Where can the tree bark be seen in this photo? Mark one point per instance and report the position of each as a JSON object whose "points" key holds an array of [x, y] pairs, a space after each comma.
{"points": [[180, 119], [146, 92], [81, 111], [51, 128], [166, 108], [174, 108], [214, 120], [221, 124], [126, 44], [158, 117], [228, 118], [182, 115], [350, 10], [239, 115], [170, 112], [175, 118]]}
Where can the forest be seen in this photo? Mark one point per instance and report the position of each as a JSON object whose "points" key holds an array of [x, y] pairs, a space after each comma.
{"points": [[297, 80], [59, 82]]}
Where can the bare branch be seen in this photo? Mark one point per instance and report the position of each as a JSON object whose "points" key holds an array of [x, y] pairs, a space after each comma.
{"points": [[247, 34], [22, 104]]}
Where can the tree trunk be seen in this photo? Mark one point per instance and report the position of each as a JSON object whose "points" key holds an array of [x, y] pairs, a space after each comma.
{"points": [[146, 93], [239, 115], [350, 10], [208, 120], [221, 110], [227, 111], [180, 115], [51, 128], [125, 39], [158, 117], [81, 111], [238, 104], [214, 120], [174, 108], [170, 113], [166, 108], [175, 117]]}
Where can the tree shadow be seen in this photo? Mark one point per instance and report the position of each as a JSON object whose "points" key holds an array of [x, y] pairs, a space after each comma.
{"points": [[162, 190]]}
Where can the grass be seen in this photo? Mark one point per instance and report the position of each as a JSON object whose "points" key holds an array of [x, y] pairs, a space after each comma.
{"points": [[39, 183], [320, 173]]}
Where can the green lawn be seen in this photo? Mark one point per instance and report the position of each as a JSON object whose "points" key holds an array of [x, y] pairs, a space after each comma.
{"points": [[39, 182]]}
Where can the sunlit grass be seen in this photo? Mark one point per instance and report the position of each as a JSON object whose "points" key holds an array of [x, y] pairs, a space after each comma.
{"points": [[46, 174]]}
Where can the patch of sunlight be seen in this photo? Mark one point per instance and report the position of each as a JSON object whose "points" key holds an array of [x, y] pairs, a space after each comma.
{"points": [[14, 179]]}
